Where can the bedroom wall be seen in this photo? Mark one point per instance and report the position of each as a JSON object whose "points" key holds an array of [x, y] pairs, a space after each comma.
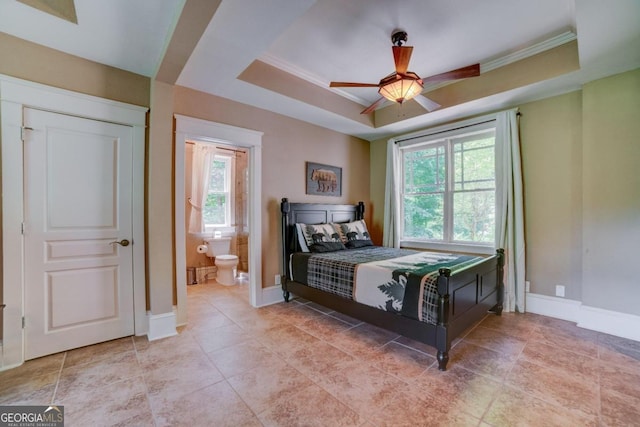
{"points": [[286, 145], [159, 219], [580, 156], [611, 193], [551, 150], [29, 61], [36, 63]]}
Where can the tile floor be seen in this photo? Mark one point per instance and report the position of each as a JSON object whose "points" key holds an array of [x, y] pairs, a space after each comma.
{"points": [[299, 364]]}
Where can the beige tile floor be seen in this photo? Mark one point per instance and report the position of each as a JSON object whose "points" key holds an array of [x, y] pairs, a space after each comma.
{"points": [[299, 364]]}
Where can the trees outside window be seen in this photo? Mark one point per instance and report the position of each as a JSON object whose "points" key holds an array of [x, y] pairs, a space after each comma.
{"points": [[448, 189], [216, 211]]}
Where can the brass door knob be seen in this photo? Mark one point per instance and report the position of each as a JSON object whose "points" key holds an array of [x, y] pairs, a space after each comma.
{"points": [[123, 242]]}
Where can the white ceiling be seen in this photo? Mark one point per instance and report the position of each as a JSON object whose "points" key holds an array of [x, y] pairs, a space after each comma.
{"points": [[125, 34], [328, 40]]}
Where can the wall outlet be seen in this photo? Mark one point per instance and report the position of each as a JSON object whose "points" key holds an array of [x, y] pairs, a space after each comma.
{"points": [[559, 290], [277, 279], [527, 286]]}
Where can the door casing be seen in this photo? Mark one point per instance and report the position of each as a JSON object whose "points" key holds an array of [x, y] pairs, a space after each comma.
{"points": [[15, 94], [192, 129]]}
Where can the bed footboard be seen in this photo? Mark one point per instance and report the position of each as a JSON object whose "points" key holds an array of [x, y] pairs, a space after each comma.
{"points": [[465, 298]]}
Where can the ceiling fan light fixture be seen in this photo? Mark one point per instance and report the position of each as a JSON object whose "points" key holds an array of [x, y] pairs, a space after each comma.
{"points": [[403, 85], [401, 89]]}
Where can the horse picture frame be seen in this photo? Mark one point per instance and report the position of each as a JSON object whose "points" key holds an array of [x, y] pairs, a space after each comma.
{"points": [[323, 180]]}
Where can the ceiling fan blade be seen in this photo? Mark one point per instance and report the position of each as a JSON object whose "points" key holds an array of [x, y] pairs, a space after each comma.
{"points": [[373, 106], [426, 103], [460, 73], [401, 56], [349, 84]]}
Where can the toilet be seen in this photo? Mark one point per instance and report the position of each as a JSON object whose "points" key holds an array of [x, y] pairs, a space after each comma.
{"points": [[218, 248]]}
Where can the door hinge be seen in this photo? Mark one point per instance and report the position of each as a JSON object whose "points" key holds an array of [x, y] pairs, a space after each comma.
{"points": [[23, 322], [22, 129], [22, 228]]}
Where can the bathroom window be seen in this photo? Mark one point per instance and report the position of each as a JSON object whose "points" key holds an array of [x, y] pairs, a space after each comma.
{"points": [[217, 210]]}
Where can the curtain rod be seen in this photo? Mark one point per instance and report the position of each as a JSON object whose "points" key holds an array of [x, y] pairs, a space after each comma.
{"points": [[220, 148], [518, 114]]}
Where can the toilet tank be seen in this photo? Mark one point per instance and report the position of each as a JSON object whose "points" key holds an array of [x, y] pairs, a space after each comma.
{"points": [[218, 246]]}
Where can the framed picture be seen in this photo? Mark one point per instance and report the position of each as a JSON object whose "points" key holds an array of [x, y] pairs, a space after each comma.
{"points": [[324, 180]]}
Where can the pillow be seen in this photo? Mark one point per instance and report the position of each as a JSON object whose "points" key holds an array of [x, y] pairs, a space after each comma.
{"points": [[355, 234], [301, 240], [354, 244], [317, 233], [327, 247]]}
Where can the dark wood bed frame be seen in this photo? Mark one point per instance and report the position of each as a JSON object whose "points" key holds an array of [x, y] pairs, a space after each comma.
{"points": [[464, 297]]}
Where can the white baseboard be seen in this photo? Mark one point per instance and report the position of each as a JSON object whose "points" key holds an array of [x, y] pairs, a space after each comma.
{"points": [[8, 367], [179, 322], [610, 322], [161, 326], [559, 308], [271, 295], [593, 318]]}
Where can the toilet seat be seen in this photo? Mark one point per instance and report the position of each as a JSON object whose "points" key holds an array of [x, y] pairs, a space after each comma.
{"points": [[226, 257]]}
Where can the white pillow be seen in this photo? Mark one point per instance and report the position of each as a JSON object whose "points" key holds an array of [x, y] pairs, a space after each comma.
{"points": [[354, 234], [301, 240], [308, 234]]}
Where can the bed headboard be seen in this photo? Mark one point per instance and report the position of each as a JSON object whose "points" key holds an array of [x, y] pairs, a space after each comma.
{"points": [[311, 213]]}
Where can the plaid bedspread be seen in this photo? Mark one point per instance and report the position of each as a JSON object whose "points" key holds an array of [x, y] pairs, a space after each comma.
{"points": [[395, 280]]}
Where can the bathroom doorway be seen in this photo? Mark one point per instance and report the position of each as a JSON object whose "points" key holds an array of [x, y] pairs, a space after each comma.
{"points": [[218, 216], [191, 130]]}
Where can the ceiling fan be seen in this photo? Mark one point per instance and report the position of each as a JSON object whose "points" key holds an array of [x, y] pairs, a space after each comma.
{"points": [[403, 85]]}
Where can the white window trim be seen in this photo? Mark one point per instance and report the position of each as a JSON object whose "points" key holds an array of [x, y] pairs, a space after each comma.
{"points": [[423, 138], [229, 226]]}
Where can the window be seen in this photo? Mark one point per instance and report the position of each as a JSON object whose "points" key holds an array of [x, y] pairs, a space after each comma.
{"points": [[448, 189], [217, 208]]}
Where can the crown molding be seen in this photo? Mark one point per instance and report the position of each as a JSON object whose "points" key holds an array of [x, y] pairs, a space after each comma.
{"points": [[543, 46]]}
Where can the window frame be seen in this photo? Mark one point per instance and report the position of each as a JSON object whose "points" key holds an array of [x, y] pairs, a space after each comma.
{"points": [[229, 194], [443, 136]]}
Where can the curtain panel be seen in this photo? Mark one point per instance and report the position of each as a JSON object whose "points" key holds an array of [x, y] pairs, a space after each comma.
{"points": [[203, 154], [391, 236], [509, 209]]}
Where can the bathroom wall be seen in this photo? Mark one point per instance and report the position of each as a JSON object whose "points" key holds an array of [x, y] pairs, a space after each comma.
{"points": [[239, 242], [242, 214]]}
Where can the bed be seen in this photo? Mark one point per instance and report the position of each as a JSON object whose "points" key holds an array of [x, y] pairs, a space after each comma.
{"points": [[442, 294]]}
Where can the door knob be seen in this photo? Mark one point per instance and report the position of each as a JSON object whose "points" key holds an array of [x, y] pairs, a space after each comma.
{"points": [[123, 242]]}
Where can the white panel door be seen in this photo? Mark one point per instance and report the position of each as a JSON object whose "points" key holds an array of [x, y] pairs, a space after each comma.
{"points": [[78, 221]]}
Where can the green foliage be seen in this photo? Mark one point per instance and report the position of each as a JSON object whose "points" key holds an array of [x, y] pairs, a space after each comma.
{"points": [[472, 192], [214, 209]]}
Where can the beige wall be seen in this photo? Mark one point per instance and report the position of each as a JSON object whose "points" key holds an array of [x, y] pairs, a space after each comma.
{"points": [[160, 248], [551, 149], [611, 193], [378, 166], [29, 61], [580, 157], [286, 145]]}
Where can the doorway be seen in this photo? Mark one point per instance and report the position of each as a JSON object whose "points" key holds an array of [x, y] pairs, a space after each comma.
{"points": [[216, 207], [17, 95], [189, 129]]}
